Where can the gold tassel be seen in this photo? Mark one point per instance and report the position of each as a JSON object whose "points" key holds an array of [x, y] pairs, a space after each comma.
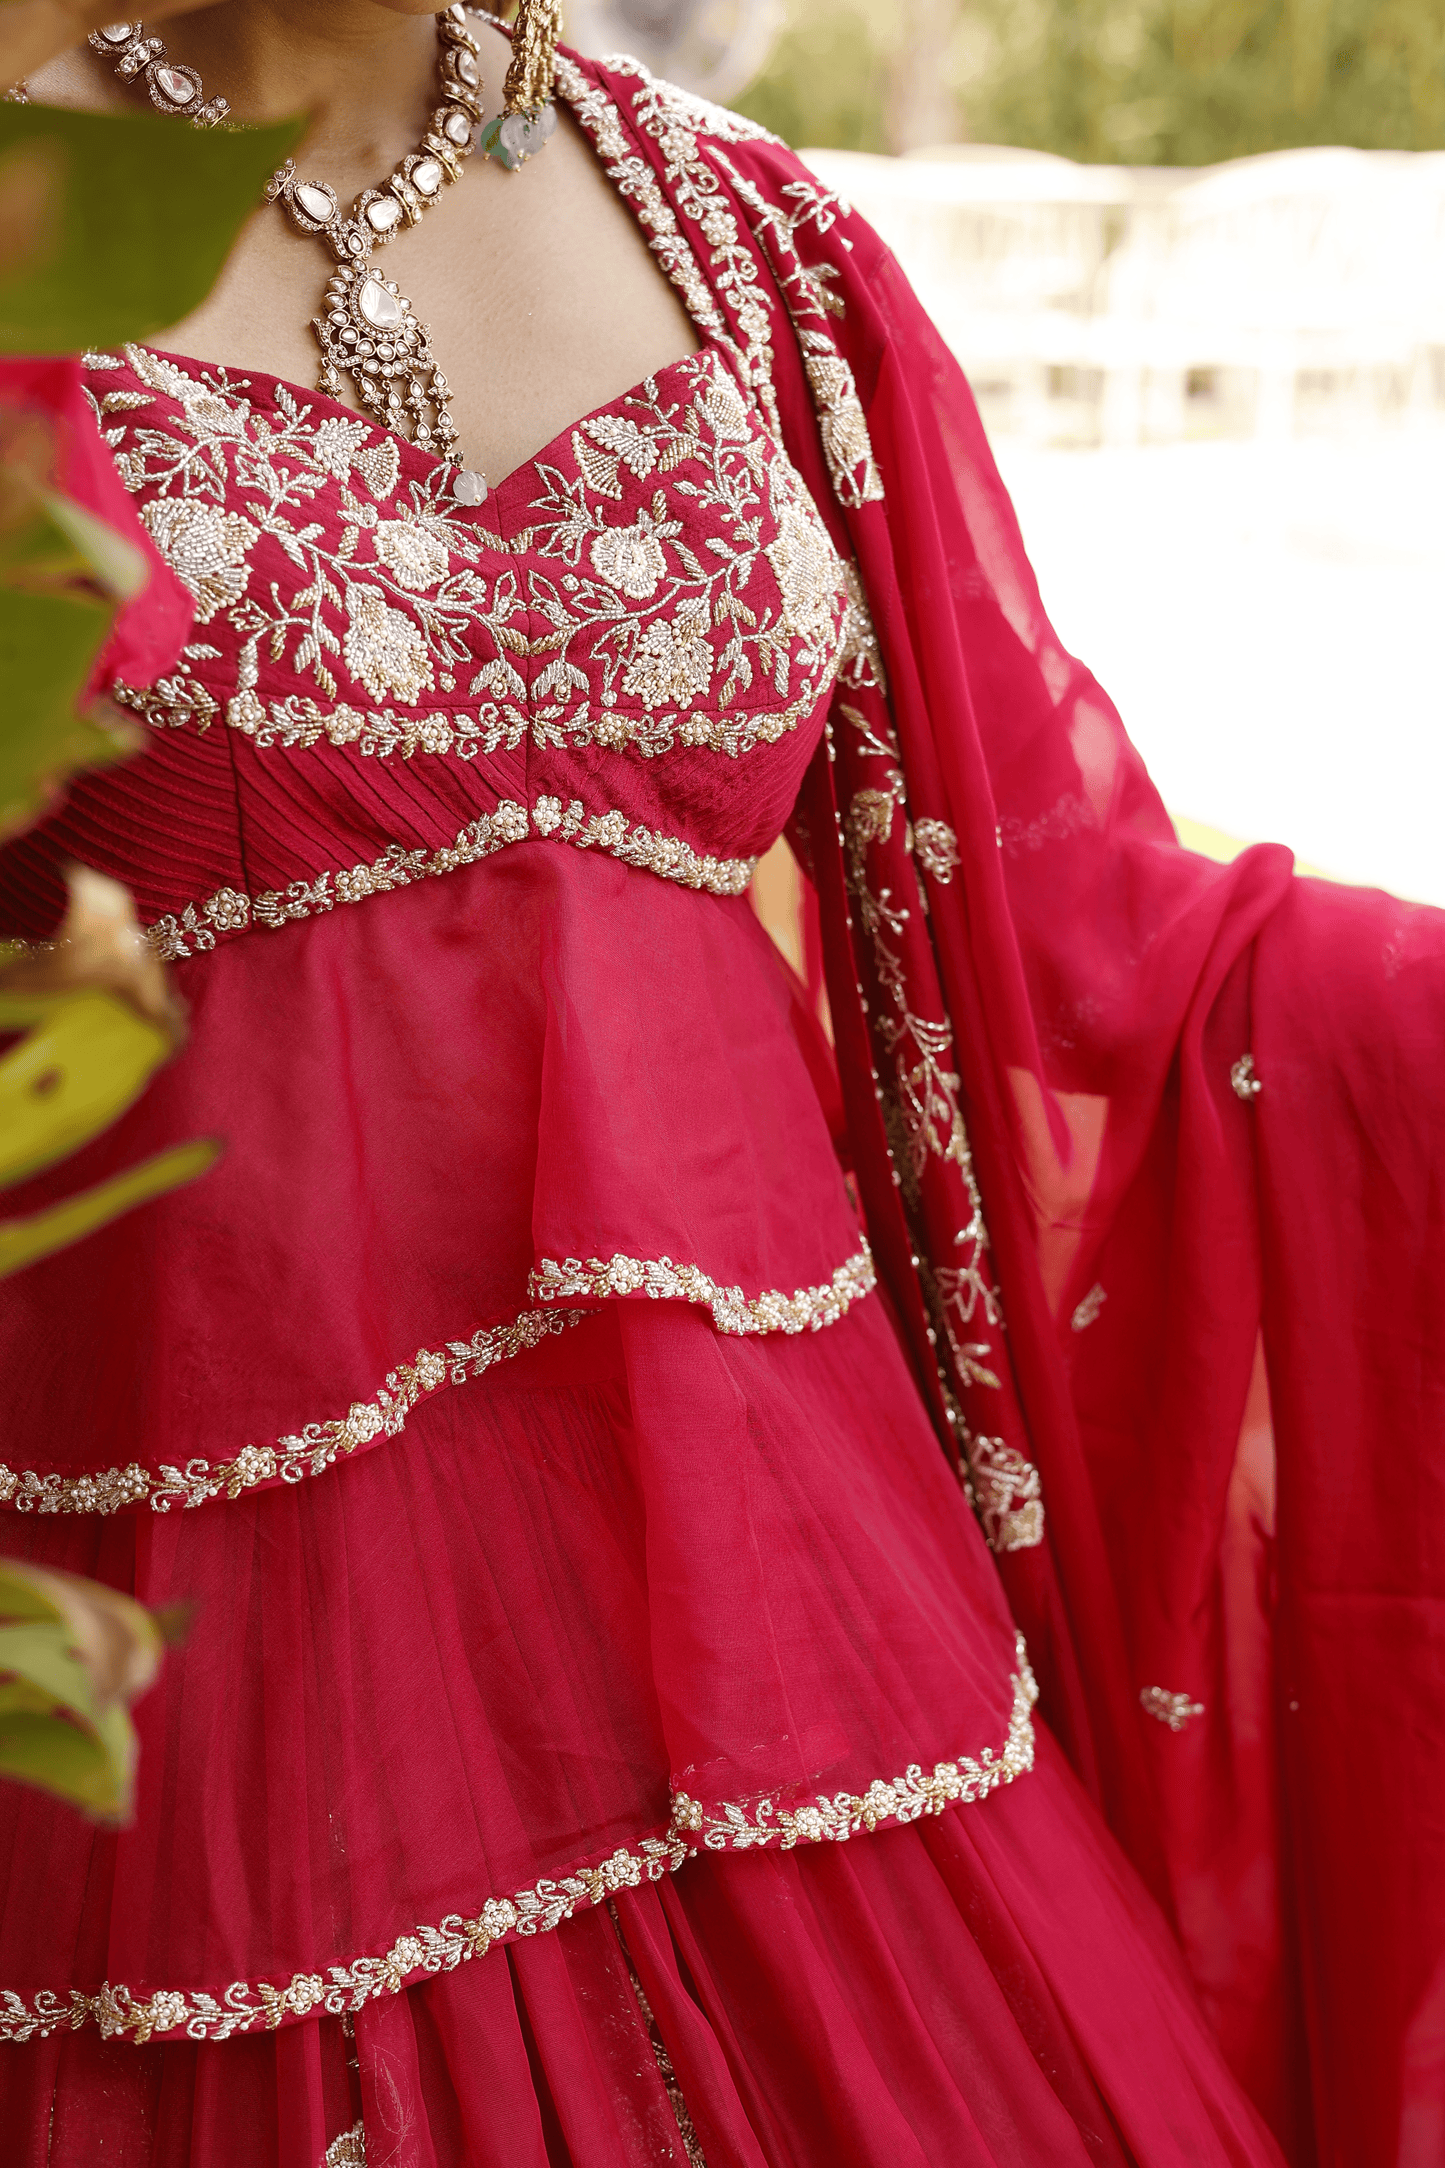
{"points": [[534, 49]]}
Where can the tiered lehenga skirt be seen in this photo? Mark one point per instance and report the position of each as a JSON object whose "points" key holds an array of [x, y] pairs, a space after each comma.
{"points": [[600, 1738]]}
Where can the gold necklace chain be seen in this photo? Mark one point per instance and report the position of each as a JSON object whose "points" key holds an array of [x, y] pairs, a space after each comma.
{"points": [[369, 331]]}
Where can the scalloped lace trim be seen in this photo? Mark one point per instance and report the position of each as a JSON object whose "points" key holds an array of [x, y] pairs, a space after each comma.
{"points": [[251, 2006]]}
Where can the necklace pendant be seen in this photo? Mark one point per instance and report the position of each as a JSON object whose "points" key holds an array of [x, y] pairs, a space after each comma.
{"points": [[370, 335]]}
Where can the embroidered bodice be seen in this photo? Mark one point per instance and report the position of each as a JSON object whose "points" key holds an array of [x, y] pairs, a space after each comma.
{"points": [[627, 652], [626, 648]]}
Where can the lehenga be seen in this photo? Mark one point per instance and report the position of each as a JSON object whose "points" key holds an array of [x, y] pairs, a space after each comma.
{"points": [[602, 1736]]}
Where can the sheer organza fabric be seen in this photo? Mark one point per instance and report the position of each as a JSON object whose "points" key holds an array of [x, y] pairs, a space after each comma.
{"points": [[986, 1989]]}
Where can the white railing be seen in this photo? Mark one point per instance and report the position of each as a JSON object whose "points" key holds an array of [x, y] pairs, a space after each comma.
{"points": [[1299, 292]]}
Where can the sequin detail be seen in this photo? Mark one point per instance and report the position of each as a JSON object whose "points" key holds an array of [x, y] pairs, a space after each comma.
{"points": [[199, 926], [1175, 1710], [253, 2006], [935, 846], [309, 1452], [808, 1310], [1007, 1494], [1245, 1083], [347, 2151], [1088, 1310]]}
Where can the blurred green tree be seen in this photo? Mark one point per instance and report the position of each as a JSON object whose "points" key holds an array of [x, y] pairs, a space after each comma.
{"points": [[1139, 82]]}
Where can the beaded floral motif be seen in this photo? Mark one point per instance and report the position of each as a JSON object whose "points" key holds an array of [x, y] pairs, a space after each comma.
{"points": [[1175, 1710], [310, 1451], [196, 928], [680, 587], [808, 1310], [347, 2151], [251, 2006], [1007, 1494]]}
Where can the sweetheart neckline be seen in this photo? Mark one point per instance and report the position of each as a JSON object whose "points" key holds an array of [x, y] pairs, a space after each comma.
{"points": [[706, 350]]}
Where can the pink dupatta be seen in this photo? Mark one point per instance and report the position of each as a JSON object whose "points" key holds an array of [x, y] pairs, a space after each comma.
{"points": [[1115, 1113]]}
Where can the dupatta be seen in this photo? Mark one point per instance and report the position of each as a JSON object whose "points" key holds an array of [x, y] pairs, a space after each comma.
{"points": [[1119, 1118]]}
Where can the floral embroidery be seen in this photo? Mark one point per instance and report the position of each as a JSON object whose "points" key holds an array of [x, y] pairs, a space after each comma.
{"points": [[1089, 1308], [936, 848], [675, 122], [349, 2150], [722, 587], [906, 1798], [1175, 1710], [195, 929], [250, 2006], [205, 547], [808, 1310], [291, 1459], [1007, 1494], [810, 301]]}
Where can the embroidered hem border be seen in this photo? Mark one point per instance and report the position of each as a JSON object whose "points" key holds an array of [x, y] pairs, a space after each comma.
{"points": [[251, 2006], [808, 1310], [198, 926], [313, 1449]]}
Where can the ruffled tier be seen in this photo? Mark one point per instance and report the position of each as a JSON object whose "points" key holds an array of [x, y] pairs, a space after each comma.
{"points": [[451, 1114], [647, 1591], [989, 1990]]}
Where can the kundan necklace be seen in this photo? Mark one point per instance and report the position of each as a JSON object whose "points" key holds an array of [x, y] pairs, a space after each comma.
{"points": [[368, 331]]}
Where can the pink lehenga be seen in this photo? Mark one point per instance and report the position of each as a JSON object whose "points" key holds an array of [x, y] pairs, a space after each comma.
{"points": [[603, 1736]]}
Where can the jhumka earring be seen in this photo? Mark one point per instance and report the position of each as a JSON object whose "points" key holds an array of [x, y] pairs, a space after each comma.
{"points": [[528, 116]]}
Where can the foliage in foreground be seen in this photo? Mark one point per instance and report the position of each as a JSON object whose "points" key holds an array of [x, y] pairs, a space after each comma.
{"points": [[111, 229]]}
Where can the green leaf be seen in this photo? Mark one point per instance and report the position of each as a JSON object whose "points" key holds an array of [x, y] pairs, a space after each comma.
{"points": [[24, 1241], [143, 214], [73, 1654], [41, 1657], [88, 1057], [48, 646], [91, 1767]]}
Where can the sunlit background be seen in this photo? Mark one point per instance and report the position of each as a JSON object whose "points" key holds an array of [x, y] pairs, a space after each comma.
{"points": [[1192, 256]]}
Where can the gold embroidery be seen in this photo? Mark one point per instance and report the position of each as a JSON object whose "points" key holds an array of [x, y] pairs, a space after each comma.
{"points": [[807, 293], [936, 847], [1089, 1308], [921, 1104], [1175, 1710], [903, 1799], [1247, 1085], [808, 1310], [248, 2006], [724, 584], [861, 663], [291, 1459], [194, 930], [1007, 1494], [675, 124], [349, 2150]]}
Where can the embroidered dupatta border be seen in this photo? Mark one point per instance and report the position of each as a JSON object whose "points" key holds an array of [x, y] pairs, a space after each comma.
{"points": [[260, 2005], [317, 1446], [752, 225]]}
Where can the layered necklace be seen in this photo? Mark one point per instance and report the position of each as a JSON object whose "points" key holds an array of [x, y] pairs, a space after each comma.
{"points": [[367, 330]]}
